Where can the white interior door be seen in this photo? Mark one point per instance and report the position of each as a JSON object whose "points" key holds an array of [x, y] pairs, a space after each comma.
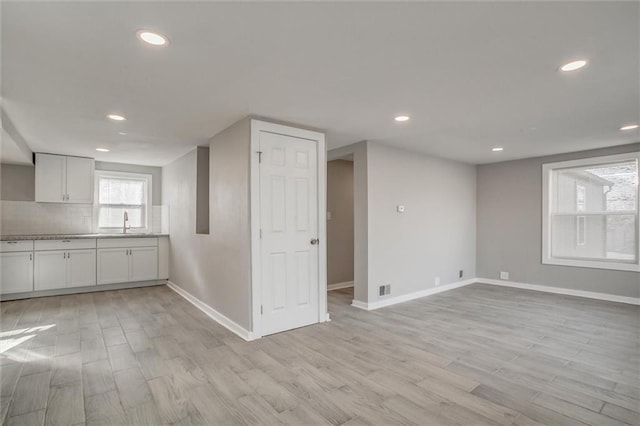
{"points": [[289, 226]]}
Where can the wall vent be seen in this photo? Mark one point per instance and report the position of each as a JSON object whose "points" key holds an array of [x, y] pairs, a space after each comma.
{"points": [[385, 290]]}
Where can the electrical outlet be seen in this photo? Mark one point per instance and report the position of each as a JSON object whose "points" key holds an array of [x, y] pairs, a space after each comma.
{"points": [[381, 290], [504, 275], [400, 209], [328, 215], [437, 281], [461, 274]]}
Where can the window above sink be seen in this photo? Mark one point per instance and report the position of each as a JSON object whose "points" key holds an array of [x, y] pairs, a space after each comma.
{"points": [[120, 192]]}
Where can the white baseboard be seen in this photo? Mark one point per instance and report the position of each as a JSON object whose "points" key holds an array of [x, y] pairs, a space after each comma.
{"points": [[411, 296], [560, 290], [338, 286], [212, 313]]}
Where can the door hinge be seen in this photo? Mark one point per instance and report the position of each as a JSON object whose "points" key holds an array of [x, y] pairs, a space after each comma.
{"points": [[259, 156], [261, 310], [260, 233]]}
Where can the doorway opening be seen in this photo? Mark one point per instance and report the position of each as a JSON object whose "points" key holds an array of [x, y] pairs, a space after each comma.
{"points": [[340, 231]]}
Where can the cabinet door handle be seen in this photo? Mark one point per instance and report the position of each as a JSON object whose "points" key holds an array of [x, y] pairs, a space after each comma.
{"points": [[12, 242], [30, 257], [68, 255], [64, 254]]}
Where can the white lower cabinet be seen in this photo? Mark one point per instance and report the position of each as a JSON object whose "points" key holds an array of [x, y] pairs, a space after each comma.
{"points": [[128, 263], [82, 268], [50, 270], [27, 266], [64, 268], [16, 272], [113, 265], [144, 263]]}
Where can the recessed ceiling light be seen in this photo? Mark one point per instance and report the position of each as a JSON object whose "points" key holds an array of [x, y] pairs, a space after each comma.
{"points": [[573, 65], [116, 117], [152, 38], [402, 118], [497, 149], [122, 133], [102, 149], [629, 127]]}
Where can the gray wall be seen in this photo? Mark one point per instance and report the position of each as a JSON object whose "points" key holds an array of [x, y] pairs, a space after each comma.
{"points": [[435, 236], [358, 152], [510, 229], [215, 268], [340, 227], [155, 172], [202, 189], [17, 182]]}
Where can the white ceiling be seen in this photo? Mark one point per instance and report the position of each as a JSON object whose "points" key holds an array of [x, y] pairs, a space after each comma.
{"points": [[470, 75]]}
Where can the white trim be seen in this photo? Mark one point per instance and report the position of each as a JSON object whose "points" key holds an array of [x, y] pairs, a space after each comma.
{"points": [[78, 290], [148, 178], [535, 287], [254, 174], [212, 313], [560, 290], [594, 264], [360, 305], [254, 193], [338, 286], [546, 214], [411, 296]]}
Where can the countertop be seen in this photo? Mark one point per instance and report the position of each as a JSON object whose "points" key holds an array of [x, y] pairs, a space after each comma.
{"points": [[75, 236]]}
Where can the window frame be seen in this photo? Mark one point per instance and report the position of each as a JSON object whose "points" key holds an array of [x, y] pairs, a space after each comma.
{"points": [[547, 193], [147, 178]]}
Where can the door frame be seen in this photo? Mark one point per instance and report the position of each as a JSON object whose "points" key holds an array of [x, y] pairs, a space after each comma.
{"points": [[258, 126]]}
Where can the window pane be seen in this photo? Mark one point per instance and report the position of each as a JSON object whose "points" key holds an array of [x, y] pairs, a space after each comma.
{"points": [[621, 237], [604, 237], [121, 191], [599, 188], [113, 217]]}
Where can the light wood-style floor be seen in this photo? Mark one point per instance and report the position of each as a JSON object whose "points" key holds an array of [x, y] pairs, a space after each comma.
{"points": [[472, 356]]}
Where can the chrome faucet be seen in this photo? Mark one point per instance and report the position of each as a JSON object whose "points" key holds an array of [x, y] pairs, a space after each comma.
{"points": [[124, 225]]}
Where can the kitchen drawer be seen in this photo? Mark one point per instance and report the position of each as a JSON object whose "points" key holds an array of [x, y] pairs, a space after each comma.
{"points": [[67, 244], [9, 246], [127, 242]]}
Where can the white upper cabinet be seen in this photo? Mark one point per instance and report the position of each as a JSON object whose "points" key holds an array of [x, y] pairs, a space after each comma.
{"points": [[51, 178], [62, 179], [80, 175]]}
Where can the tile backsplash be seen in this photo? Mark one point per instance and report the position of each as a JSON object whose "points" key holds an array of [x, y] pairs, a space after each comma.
{"points": [[31, 218]]}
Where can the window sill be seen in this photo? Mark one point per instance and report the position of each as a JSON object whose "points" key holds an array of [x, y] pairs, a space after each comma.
{"points": [[630, 267]]}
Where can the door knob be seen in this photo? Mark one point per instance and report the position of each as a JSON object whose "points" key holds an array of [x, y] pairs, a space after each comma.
{"points": [[314, 241]]}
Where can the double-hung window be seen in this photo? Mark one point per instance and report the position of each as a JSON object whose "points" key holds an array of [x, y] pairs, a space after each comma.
{"points": [[119, 192], [590, 213]]}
